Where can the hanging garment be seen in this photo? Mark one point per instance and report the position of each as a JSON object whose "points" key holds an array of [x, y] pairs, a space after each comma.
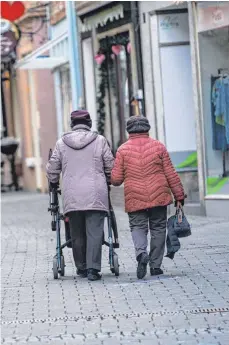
{"points": [[216, 100], [225, 105], [220, 114]]}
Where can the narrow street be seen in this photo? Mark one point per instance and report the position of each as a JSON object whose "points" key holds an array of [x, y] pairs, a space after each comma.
{"points": [[188, 305]]}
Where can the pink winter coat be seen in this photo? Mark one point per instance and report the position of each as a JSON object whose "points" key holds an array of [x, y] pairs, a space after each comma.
{"points": [[144, 165], [85, 159]]}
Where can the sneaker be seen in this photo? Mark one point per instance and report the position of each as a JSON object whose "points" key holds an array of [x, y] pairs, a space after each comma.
{"points": [[93, 274], [156, 271], [143, 260], [82, 273]]}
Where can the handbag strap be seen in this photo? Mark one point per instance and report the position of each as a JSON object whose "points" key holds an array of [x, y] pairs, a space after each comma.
{"points": [[179, 215]]}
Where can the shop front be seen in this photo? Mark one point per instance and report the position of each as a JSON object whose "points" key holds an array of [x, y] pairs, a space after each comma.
{"points": [[185, 54], [110, 67], [212, 25], [168, 86]]}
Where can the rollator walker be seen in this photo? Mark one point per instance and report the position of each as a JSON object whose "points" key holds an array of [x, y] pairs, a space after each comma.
{"points": [[58, 259]]}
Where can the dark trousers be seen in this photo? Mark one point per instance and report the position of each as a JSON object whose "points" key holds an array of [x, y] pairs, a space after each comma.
{"points": [[87, 229], [154, 219]]}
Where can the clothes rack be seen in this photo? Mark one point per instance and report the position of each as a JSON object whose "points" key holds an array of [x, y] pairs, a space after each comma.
{"points": [[222, 72]]}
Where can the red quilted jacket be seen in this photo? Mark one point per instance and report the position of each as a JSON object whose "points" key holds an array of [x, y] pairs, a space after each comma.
{"points": [[144, 165]]}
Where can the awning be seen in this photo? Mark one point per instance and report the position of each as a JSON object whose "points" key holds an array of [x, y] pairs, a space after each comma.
{"points": [[50, 55], [102, 18]]}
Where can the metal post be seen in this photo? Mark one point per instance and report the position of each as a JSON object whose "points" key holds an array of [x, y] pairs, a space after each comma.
{"points": [[3, 108], [197, 94], [74, 56], [109, 99], [137, 37]]}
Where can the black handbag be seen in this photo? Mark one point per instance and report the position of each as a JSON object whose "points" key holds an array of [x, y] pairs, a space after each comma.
{"points": [[181, 226]]}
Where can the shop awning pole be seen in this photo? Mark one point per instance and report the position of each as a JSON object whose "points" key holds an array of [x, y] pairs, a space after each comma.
{"points": [[74, 56]]}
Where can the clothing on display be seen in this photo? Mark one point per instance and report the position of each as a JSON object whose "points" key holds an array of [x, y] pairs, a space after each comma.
{"points": [[220, 113]]}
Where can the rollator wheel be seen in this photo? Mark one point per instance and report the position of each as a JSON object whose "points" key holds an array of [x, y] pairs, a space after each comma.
{"points": [[55, 268], [116, 265], [62, 266]]}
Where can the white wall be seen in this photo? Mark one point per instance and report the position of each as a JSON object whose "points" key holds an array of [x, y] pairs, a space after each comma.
{"points": [[60, 49], [146, 8], [59, 28], [212, 57], [89, 80], [178, 100]]}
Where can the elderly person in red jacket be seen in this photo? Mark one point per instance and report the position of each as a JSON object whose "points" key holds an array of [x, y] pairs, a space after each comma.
{"points": [[144, 165], [85, 160]]}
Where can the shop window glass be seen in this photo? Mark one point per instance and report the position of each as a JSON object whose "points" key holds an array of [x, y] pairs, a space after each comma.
{"points": [[214, 66]]}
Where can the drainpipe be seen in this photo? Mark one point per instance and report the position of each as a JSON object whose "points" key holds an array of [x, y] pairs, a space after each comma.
{"points": [[49, 29], [137, 35], [74, 56]]}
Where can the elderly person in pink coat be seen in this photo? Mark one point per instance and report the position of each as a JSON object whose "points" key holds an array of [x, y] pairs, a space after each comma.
{"points": [[85, 160]]}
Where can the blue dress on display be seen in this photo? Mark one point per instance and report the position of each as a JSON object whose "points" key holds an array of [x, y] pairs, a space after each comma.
{"points": [[220, 113]]}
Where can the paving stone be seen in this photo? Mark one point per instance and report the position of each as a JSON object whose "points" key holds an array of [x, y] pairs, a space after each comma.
{"points": [[171, 309]]}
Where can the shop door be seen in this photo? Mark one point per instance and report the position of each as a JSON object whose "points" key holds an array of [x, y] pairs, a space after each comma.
{"points": [[115, 88]]}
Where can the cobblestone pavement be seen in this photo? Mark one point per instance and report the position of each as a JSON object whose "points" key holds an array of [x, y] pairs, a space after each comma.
{"points": [[188, 305]]}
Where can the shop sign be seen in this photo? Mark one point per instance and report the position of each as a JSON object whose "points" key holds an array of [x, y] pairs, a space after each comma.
{"points": [[12, 10], [9, 38], [173, 28], [211, 18]]}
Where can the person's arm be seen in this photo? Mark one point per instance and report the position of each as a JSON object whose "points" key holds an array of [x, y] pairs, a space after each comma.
{"points": [[117, 175], [54, 166], [108, 160], [173, 178]]}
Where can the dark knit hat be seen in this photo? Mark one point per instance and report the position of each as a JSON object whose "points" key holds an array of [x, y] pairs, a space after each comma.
{"points": [[80, 117], [137, 124]]}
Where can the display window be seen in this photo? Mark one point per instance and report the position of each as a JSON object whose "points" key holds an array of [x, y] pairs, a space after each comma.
{"points": [[177, 95], [214, 70]]}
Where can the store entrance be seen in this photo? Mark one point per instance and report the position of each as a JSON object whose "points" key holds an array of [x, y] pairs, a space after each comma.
{"points": [[114, 88]]}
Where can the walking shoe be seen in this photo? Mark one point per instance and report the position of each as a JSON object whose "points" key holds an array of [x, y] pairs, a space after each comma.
{"points": [[82, 273], [143, 260], [93, 274], [156, 271]]}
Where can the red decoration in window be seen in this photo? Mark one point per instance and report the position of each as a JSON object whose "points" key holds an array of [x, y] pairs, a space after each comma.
{"points": [[12, 11], [99, 58], [116, 49], [129, 47]]}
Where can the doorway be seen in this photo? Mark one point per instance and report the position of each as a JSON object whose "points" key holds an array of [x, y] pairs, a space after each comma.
{"points": [[114, 88]]}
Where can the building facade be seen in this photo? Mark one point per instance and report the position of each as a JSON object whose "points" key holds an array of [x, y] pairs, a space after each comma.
{"points": [[34, 101], [107, 30], [111, 65], [160, 52], [180, 71]]}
